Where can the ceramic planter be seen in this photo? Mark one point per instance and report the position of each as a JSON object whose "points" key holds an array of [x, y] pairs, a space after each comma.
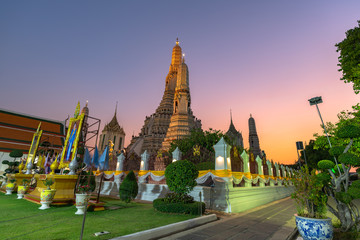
{"points": [[81, 202], [10, 188], [46, 197], [21, 191], [314, 229]]}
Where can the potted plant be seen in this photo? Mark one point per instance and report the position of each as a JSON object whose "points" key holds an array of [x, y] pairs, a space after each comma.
{"points": [[82, 197], [338, 185], [311, 220], [85, 187], [10, 186], [23, 188], [47, 195]]}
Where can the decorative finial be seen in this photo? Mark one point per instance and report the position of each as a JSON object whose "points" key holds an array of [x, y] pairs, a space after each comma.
{"points": [[86, 103], [77, 110], [183, 57], [250, 115], [230, 115], [116, 107], [177, 41]]}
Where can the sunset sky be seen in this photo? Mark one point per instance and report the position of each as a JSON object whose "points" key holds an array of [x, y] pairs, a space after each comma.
{"points": [[264, 58]]}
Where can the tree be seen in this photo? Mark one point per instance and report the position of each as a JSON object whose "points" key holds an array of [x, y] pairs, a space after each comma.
{"points": [[349, 59], [128, 188], [180, 176], [16, 154], [345, 139], [337, 183], [198, 147], [345, 118], [314, 155]]}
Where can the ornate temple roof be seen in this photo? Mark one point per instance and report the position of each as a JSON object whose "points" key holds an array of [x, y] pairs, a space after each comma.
{"points": [[85, 109], [235, 134], [113, 126]]}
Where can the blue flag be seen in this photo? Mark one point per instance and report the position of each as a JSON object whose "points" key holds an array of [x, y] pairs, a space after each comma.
{"points": [[87, 158], [104, 160], [95, 159]]}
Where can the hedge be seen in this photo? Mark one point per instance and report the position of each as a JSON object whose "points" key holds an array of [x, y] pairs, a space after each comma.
{"points": [[161, 205]]}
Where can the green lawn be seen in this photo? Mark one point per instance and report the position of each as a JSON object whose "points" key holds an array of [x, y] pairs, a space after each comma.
{"points": [[21, 219]]}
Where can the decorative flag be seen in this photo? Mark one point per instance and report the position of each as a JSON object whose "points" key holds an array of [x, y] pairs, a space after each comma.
{"points": [[104, 160], [95, 158], [58, 159], [87, 158]]}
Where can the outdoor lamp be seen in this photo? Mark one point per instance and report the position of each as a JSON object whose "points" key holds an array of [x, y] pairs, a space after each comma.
{"points": [[316, 101], [120, 162], [144, 161], [222, 152], [176, 154]]}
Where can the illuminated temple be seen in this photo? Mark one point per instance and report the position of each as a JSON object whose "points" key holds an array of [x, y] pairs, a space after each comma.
{"points": [[173, 119]]}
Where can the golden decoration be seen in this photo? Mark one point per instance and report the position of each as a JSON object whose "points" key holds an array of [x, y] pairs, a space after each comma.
{"points": [[77, 110], [196, 150], [34, 145], [159, 154], [236, 153], [75, 124]]}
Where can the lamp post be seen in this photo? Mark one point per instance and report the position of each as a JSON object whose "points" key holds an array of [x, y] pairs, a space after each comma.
{"points": [[300, 146], [176, 154], [315, 101]]}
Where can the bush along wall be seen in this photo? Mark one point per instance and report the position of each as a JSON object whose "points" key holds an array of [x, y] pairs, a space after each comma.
{"points": [[194, 208]]}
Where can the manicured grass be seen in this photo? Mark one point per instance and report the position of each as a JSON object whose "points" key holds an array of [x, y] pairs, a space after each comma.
{"points": [[21, 219]]}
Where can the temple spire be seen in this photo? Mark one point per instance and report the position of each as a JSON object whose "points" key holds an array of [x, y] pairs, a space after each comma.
{"points": [[176, 55]]}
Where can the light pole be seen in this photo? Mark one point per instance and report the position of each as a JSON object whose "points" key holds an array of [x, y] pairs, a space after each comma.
{"points": [[300, 146], [315, 101]]}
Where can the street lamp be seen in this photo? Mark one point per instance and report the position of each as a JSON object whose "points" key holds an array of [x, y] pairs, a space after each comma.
{"points": [[315, 101], [300, 146]]}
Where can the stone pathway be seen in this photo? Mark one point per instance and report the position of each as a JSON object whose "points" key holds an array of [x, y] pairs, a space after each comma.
{"points": [[273, 221]]}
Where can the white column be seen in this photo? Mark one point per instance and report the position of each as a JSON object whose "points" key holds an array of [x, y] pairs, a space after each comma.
{"points": [[176, 154], [120, 162], [246, 167], [260, 170], [278, 173], [222, 155], [268, 163], [144, 165]]}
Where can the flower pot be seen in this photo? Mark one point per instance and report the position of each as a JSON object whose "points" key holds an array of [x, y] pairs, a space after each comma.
{"points": [[314, 229], [21, 191], [10, 188], [81, 202], [46, 197]]}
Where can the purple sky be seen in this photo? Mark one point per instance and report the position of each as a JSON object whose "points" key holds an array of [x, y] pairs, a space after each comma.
{"points": [[266, 58]]}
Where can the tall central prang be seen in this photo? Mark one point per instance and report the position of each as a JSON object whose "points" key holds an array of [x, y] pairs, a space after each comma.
{"points": [[173, 119]]}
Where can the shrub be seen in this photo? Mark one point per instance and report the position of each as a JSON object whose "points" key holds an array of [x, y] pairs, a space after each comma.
{"points": [[349, 159], [16, 153], [179, 198], [348, 131], [87, 179], [336, 150], [323, 178], [129, 188], [161, 205], [325, 164], [180, 176], [356, 184]]}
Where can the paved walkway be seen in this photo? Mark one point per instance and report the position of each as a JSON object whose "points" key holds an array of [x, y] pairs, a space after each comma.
{"points": [[274, 221]]}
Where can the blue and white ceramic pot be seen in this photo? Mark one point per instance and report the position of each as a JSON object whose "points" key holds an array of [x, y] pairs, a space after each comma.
{"points": [[314, 229]]}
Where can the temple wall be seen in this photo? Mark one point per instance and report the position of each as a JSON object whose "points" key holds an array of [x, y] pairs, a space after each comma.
{"points": [[221, 197]]}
